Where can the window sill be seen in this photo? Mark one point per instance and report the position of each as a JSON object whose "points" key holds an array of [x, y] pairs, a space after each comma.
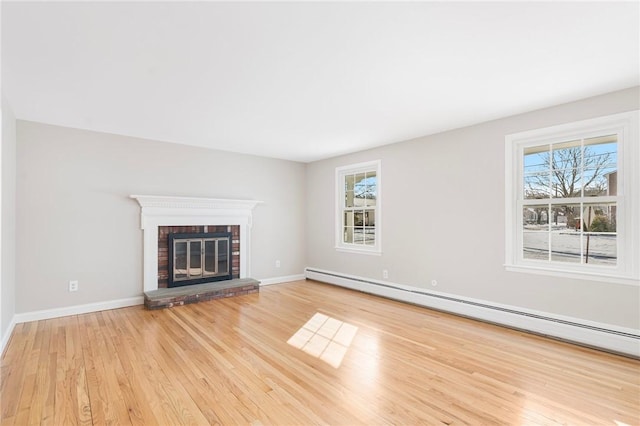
{"points": [[371, 252], [573, 274]]}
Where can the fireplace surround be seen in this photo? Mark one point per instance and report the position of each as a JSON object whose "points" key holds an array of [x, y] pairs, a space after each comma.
{"points": [[157, 211]]}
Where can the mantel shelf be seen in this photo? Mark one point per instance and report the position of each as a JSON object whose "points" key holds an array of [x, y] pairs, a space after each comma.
{"points": [[172, 202]]}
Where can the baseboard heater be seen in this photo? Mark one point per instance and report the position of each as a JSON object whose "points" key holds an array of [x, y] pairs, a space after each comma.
{"points": [[621, 341]]}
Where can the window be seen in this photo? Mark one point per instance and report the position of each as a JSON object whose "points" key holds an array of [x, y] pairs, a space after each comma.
{"points": [[358, 207], [572, 199]]}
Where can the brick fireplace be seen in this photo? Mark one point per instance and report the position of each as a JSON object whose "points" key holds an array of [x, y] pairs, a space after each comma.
{"points": [[161, 215]]}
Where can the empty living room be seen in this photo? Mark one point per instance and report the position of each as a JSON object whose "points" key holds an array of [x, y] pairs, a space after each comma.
{"points": [[331, 213]]}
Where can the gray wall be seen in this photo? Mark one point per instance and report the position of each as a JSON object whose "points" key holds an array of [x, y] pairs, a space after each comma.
{"points": [[443, 219], [8, 229], [443, 214], [76, 221]]}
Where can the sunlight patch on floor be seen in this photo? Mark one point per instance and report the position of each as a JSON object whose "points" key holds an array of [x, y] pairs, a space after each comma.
{"points": [[325, 338]]}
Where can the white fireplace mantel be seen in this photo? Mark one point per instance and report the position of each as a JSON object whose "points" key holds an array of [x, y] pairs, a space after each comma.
{"points": [[159, 211]]}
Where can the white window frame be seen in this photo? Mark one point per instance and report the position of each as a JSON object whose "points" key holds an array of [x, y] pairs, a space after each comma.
{"points": [[625, 125], [341, 172]]}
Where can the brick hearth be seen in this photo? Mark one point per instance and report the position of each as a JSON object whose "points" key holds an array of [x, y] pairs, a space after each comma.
{"points": [[177, 296]]}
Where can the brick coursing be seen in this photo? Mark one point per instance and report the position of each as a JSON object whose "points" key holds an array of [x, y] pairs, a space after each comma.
{"points": [[172, 301]]}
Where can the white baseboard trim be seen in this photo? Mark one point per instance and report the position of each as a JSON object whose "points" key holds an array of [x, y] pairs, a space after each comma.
{"points": [[604, 336], [7, 335], [78, 309], [280, 280]]}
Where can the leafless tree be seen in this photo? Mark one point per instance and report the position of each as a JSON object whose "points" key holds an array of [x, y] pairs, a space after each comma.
{"points": [[569, 175], [566, 170]]}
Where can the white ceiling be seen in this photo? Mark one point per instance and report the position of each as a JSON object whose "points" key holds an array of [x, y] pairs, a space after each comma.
{"points": [[305, 81]]}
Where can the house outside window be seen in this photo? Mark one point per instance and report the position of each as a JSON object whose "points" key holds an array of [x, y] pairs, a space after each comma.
{"points": [[572, 199], [358, 211]]}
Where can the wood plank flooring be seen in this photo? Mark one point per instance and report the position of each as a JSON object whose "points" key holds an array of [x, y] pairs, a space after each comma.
{"points": [[227, 361]]}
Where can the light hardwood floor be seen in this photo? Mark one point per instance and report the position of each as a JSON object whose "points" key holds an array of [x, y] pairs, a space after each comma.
{"points": [[228, 362]]}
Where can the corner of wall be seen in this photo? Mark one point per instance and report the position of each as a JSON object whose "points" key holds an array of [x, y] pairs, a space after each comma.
{"points": [[7, 223]]}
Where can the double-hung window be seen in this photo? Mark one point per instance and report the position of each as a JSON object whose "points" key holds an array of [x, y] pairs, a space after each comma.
{"points": [[572, 194], [358, 208]]}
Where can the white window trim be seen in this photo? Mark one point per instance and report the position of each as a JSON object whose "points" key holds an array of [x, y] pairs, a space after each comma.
{"points": [[375, 249], [626, 126]]}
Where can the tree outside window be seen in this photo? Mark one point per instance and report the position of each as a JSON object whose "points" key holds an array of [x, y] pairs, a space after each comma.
{"points": [[571, 220]]}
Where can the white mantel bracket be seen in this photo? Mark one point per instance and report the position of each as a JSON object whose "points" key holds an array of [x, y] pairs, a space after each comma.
{"points": [[159, 211]]}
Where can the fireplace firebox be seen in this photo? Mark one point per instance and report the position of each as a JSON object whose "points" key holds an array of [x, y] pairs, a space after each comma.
{"points": [[198, 258]]}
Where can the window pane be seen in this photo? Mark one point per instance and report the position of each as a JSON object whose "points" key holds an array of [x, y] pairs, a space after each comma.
{"points": [[348, 235], [370, 218], [601, 166], [565, 237], [535, 245], [565, 217], [558, 218], [536, 172], [369, 236], [535, 238], [601, 152], [596, 184], [358, 217], [565, 246], [349, 182], [566, 155], [370, 189], [536, 186], [358, 235], [359, 190], [566, 183], [348, 192], [348, 218], [600, 249], [536, 159], [348, 199], [535, 218], [600, 217], [566, 174]]}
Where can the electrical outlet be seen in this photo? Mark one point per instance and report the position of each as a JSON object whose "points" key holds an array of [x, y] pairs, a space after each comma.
{"points": [[385, 274], [73, 285], [277, 263]]}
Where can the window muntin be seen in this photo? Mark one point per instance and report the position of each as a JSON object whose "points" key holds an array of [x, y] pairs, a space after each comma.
{"points": [[358, 205], [562, 220], [359, 226], [571, 199]]}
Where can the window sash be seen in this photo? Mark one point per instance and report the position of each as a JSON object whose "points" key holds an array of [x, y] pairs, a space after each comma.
{"points": [[358, 217], [625, 129], [551, 200]]}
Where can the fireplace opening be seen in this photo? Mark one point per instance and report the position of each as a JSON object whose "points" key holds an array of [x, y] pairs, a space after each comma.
{"points": [[198, 258]]}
